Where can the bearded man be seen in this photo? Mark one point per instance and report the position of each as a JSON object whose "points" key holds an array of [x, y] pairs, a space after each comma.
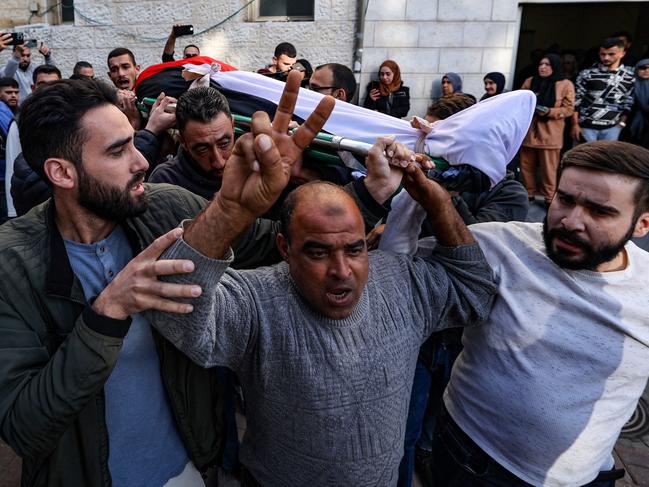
{"points": [[539, 394]]}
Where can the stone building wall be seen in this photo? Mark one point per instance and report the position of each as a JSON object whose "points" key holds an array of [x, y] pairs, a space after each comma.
{"points": [[143, 26], [428, 38]]}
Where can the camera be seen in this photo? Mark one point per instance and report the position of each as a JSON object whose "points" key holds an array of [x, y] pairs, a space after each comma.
{"points": [[183, 30]]}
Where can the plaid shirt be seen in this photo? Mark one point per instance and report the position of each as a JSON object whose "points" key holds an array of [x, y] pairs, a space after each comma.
{"points": [[603, 96]]}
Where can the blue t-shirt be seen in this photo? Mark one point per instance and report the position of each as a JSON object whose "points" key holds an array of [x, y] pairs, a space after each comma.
{"points": [[144, 445]]}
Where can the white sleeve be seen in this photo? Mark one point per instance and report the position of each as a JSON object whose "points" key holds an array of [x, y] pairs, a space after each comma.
{"points": [[13, 150], [403, 226]]}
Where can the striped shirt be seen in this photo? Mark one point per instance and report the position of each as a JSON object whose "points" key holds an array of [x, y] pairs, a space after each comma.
{"points": [[603, 96]]}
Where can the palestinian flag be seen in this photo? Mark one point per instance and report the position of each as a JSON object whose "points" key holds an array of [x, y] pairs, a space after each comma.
{"points": [[486, 136]]}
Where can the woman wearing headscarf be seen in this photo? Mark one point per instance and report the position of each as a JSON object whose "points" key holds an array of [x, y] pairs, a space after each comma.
{"points": [[639, 124], [388, 95], [451, 83], [555, 98], [494, 84]]}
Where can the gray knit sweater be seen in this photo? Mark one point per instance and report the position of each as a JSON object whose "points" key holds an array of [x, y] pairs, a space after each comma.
{"points": [[326, 399]]}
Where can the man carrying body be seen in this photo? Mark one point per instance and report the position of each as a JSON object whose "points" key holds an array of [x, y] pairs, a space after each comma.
{"points": [[325, 344], [540, 393], [20, 67], [603, 95], [123, 72], [334, 79]]}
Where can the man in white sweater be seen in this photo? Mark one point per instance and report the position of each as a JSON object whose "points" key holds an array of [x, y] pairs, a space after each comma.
{"points": [[540, 393]]}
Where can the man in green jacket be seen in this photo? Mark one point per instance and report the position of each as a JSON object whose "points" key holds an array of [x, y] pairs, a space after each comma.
{"points": [[89, 396]]}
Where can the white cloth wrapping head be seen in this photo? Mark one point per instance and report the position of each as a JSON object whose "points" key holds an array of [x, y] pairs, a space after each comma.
{"points": [[486, 135]]}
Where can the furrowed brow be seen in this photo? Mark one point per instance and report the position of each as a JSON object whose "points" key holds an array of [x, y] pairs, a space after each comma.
{"points": [[355, 245], [312, 244]]}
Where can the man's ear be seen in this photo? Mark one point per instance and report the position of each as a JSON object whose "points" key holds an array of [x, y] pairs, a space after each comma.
{"points": [[274, 61], [282, 245], [61, 173], [641, 225], [340, 94], [137, 68]]}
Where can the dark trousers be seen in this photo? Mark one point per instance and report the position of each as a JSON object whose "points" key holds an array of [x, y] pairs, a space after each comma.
{"points": [[459, 462]]}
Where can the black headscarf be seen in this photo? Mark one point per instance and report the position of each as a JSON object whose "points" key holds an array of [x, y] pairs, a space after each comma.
{"points": [[497, 78], [544, 87]]}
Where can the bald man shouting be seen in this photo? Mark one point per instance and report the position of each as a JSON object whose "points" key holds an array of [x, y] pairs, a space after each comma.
{"points": [[325, 343]]}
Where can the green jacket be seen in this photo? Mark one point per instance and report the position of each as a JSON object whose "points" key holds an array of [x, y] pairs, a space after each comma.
{"points": [[56, 354]]}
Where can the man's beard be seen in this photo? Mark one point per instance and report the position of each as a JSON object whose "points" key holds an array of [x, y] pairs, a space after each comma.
{"points": [[110, 202], [591, 257]]}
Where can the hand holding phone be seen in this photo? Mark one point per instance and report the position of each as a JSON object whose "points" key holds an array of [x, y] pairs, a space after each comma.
{"points": [[183, 30]]}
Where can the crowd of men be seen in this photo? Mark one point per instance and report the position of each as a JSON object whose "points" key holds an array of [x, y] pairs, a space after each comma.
{"points": [[141, 294]]}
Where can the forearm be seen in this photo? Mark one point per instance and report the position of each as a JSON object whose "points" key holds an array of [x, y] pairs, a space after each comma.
{"points": [[217, 331], [448, 227], [170, 45], [42, 397], [49, 60], [216, 228]]}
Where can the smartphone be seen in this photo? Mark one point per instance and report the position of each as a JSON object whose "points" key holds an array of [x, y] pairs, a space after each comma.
{"points": [[183, 30], [375, 85], [17, 38], [31, 43]]}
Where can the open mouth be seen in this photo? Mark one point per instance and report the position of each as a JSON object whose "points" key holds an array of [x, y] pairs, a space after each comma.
{"points": [[138, 188], [567, 245], [340, 297]]}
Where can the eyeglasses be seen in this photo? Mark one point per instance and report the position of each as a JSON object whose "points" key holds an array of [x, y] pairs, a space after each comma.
{"points": [[318, 89], [642, 68]]}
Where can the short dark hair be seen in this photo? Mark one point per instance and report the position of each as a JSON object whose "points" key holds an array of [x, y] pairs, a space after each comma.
{"points": [[201, 105], [449, 105], [79, 65], [120, 51], [46, 69], [50, 120], [192, 45], [343, 78], [614, 157], [285, 48], [612, 42], [8, 82]]}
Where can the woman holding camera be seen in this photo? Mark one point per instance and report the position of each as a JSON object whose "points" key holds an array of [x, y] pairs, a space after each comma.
{"points": [[388, 95], [555, 98]]}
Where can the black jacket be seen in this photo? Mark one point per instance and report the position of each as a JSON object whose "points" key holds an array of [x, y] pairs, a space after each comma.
{"points": [[183, 171], [397, 104]]}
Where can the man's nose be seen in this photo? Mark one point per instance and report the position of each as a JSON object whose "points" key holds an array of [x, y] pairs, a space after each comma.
{"points": [[339, 267], [573, 220], [217, 160]]}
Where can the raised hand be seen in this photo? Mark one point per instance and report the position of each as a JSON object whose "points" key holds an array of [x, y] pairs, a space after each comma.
{"points": [[256, 172], [262, 161], [136, 288], [385, 163]]}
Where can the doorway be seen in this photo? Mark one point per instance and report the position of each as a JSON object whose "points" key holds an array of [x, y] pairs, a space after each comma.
{"points": [[575, 31]]}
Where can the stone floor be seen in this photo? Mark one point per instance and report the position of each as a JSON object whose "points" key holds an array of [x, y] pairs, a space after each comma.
{"points": [[631, 450]]}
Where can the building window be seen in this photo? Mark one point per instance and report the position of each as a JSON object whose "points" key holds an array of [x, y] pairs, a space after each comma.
{"points": [[67, 11], [286, 10]]}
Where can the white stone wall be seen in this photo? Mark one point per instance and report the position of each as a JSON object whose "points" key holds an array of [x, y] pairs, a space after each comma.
{"points": [[143, 25], [428, 38]]}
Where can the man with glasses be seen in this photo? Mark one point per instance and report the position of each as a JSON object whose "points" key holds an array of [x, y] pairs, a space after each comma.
{"points": [[334, 79]]}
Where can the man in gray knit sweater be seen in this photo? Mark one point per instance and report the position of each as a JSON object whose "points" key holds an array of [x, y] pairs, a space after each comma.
{"points": [[325, 343]]}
